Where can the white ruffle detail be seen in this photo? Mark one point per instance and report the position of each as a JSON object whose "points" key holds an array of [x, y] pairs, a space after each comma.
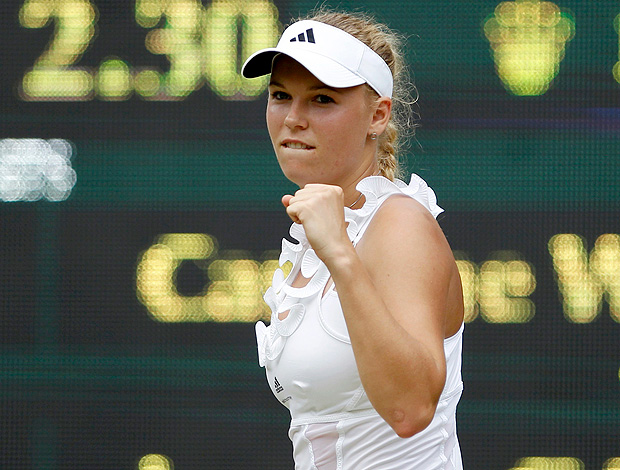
{"points": [[310, 264], [289, 252], [287, 327], [271, 339], [277, 282], [316, 283], [261, 341], [375, 188], [273, 299], [282, 297]]}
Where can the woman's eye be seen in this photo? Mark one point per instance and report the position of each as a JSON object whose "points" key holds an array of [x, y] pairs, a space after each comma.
{"points": [[279, 95], [323, 99]]}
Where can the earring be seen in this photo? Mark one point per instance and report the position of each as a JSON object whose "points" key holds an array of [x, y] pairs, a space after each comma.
{"points": [[373, 136]]}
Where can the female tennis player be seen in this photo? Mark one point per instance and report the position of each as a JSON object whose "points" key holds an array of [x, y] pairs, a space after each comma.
{"points": [[364, 344]]}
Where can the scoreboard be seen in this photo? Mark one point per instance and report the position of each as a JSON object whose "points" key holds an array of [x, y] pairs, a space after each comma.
{"points": [[140, 223]]}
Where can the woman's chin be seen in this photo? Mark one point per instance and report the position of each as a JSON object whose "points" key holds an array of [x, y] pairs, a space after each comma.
{"points": [[298, 176]]}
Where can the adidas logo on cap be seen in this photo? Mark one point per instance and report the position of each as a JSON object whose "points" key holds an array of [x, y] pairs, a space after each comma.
{"points": [[335, 58], [303, 37]]}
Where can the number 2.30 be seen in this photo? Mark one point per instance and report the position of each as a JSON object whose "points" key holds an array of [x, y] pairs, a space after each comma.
{"points": [[201, 44]]}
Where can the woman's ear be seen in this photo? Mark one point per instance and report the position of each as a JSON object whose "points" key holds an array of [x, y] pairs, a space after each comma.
{"points": [[381, 116]]}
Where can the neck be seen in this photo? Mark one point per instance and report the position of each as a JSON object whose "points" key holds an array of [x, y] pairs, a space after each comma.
{"points": [[352, 197], [354, 203]]}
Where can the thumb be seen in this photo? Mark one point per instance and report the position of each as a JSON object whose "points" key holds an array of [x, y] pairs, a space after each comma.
{"points": [[286, 200]]}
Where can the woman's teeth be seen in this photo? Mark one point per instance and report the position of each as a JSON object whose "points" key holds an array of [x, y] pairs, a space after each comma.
{"points": [[296, 145]]}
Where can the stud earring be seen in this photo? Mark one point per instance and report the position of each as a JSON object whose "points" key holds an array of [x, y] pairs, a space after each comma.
{"points": [[373, 136]]}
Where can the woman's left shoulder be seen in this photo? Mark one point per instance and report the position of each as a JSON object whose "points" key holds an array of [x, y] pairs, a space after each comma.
{"points": [[405, 226], [400, 211]]}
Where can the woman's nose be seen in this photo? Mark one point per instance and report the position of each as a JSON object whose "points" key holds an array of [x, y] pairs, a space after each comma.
{"points": [[295, 117]]}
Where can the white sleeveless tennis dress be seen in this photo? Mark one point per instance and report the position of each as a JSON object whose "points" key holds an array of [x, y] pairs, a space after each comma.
{"points": [[311, 368]]}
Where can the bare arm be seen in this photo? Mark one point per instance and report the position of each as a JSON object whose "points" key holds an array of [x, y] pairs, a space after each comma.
{"points": [[394, 291]]}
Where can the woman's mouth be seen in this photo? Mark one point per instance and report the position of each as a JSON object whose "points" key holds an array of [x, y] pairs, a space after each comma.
{"points": [[296, 145]]}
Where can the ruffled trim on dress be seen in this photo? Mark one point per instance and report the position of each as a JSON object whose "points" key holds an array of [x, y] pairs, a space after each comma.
{"points": [[376, 188], [282, 297]]}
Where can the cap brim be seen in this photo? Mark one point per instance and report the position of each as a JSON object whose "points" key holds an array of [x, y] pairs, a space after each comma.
{"points": [[259, 63], [327, 70]]}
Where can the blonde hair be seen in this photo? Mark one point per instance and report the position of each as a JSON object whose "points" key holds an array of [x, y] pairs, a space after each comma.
{"points": [[388, 44]]}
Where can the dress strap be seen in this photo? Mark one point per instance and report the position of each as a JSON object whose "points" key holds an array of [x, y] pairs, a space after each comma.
{"points": [[367, 220]]}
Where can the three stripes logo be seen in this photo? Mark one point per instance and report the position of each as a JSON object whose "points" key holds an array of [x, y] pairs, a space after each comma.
{"points": [[277, 385], [308, 36]]}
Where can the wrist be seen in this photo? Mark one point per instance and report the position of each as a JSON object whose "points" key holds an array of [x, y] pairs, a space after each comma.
{"points": [[340, 258]]}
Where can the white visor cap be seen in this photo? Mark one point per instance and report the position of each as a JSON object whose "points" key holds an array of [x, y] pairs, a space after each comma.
{"points": [[333, 56]]}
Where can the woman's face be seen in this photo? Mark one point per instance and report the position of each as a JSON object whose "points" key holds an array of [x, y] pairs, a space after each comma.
{"points": [[319, 134]]}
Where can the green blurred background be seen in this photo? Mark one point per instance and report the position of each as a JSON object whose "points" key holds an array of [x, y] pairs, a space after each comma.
{"points": [[90, 377]]}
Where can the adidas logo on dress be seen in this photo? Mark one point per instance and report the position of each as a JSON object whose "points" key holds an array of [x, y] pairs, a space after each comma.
{"points": [[277, 385], [303, 37]]}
